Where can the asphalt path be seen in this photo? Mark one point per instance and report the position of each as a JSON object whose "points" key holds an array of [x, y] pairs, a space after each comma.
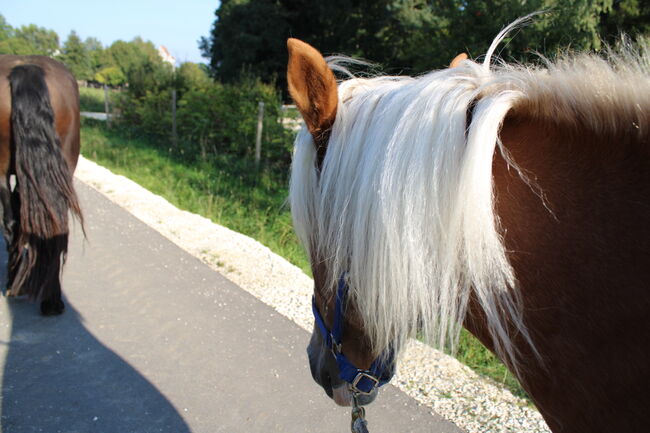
{"points": [[153, 340]]}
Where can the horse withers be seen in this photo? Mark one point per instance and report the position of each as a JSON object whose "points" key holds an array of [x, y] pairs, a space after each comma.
{"points": [[39, 144], [512, 200]]}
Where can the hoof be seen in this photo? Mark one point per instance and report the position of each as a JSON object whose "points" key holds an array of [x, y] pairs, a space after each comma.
{"points": [[52, 307]]}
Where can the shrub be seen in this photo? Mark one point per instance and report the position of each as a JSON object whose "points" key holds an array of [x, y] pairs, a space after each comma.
{"points": [[212, 119], [110, 75]]}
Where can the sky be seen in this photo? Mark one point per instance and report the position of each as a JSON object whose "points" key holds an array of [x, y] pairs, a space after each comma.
{"points": [[176, 24]]}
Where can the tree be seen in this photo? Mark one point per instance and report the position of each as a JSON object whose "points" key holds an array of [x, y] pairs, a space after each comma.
{"points": [[76, 57], [412, 36], [143, 67], [191, 76], [250, 36], [247, 35], [626, 16], [96, 53], [128, 55], [6, 31], [27, 40], [16, 46], [40, 40], [111, 76]]}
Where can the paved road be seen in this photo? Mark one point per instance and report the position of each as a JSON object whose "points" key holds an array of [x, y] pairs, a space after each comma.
{"points": [[155, 341]]}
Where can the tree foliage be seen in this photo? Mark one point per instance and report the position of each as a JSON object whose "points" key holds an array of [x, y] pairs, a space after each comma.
{"points": [[410, 36], [6, 31], [237, 44], [111, 76], [27, 40], [139, 64], [96, 53], [75, 55], [191, 76], [45, 42], [136, 62]]}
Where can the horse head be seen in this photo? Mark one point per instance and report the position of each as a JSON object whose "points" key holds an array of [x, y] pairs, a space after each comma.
{"points": [[353, 346], [339, 363]]}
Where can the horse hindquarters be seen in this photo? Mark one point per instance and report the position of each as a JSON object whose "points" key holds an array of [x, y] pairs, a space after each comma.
{"points": [[43, 194]]}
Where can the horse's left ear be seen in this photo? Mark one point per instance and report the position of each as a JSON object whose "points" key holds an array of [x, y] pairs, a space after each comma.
{"points": [[312, 86], [459, 58]]}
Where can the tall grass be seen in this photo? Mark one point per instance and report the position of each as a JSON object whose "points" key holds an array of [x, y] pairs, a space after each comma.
{"points": [[91, 99], [228, 190]]}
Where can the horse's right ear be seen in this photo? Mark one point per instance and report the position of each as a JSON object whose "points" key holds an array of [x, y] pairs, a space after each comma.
{"points": [[312, 86]]}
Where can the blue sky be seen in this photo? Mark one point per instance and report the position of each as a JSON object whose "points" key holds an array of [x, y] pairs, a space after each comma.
{"points": [[176, 24]]}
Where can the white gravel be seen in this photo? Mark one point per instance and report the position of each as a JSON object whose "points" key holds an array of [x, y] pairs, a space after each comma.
{"points": [[434, 379]]}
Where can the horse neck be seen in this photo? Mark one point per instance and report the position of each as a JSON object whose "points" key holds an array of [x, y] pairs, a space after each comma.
{"points": [[578, 237]]}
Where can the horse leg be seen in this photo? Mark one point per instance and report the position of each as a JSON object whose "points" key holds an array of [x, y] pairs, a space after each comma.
{"points": [[7, 220], [52, 304], [50, 253]]}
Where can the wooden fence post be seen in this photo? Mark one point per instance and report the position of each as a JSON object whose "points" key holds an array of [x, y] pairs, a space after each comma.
{"points": [[258, 138], [108, 120], [174, 134]]}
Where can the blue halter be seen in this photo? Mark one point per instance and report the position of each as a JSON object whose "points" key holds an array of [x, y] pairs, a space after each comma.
{"points": [[362, 381]]}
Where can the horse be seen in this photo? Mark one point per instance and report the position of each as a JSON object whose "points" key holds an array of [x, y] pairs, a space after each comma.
{"points": [[39, 149], [512, 200]]}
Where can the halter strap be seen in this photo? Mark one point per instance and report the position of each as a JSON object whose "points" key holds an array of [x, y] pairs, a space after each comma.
{"points": [[364, 381]]}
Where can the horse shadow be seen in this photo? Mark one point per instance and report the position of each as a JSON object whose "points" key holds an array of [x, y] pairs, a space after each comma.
{"points": [[58, 377]]}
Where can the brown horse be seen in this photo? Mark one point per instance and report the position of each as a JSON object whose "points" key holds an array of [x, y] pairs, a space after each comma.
{"points": [[39, 144], [514, 201]]}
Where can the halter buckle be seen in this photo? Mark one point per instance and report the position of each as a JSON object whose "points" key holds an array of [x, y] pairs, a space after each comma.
{"points": [[358, 378]]}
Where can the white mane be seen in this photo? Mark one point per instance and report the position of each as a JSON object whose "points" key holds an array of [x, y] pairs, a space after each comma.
{"points": [[404, 201]]}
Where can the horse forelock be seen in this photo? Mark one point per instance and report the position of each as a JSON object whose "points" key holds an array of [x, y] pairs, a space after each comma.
{"points": [[404, 199]]}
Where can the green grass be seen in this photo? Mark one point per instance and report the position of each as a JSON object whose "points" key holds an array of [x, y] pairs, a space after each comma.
{"points": [[474, 355], [92, 99], [229, 192], [224, 189]]}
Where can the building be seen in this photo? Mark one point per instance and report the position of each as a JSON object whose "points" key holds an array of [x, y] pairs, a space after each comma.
{"points": [[164, 53]]}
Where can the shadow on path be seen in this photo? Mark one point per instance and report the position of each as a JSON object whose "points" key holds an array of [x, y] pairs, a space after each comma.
{"points": [[58, 377]]}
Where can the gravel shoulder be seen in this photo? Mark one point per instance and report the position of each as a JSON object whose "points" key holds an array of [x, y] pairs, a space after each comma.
{"points": [[432, 378]]}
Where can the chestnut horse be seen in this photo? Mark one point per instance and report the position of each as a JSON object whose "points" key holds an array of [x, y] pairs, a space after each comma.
{"points": [[39, 144], [512, 200]]}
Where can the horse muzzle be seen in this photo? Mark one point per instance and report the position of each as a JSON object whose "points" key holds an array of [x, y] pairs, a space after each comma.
{"points": [[325, 373]]}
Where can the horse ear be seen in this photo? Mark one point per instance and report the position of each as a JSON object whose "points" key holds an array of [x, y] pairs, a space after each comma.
{"points": [[312, 86], [459, 58]]}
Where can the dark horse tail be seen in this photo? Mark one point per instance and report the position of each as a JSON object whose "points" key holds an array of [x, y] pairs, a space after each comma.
{"points": [[44, 193]]}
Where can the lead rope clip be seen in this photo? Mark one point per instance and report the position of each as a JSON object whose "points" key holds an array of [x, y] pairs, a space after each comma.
{"points": [[359, 423]]}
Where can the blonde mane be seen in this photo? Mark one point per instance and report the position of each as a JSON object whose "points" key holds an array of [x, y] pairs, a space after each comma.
{"points": [[404, 200]]}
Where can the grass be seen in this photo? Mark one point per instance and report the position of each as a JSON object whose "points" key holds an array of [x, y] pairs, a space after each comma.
{"points": [[229, 192], [474, 355], [224, 189], [92, 99]]}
